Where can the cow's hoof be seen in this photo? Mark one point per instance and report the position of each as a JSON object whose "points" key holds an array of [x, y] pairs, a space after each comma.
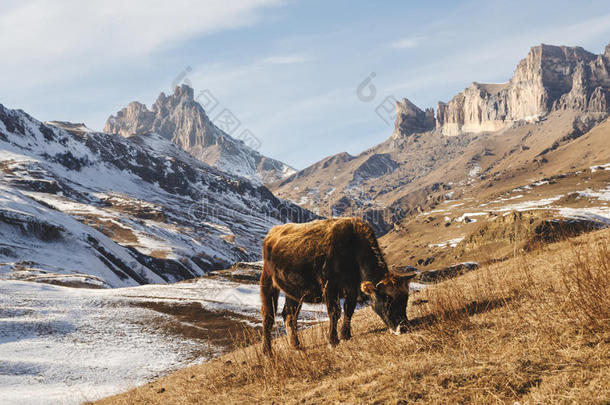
{"points": [[346, 335], [333, 342]]}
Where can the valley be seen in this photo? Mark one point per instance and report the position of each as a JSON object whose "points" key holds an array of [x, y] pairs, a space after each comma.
{"points": [[130, 257]]}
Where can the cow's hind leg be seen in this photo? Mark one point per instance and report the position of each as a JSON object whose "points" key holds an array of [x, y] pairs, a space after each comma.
{"points": [[349, 305], [269, 297], [331, 296], [291, 314]]}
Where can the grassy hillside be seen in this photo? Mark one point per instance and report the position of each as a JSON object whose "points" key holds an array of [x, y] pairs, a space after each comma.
{"points": [[484, 225], [533, 329]]}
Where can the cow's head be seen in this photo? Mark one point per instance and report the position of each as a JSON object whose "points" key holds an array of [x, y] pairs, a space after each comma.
{"points": [[389, 298]]}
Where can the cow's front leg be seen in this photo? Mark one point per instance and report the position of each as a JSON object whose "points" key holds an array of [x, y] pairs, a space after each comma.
{"points": [[291, 314], [331, 297], [269, 297], [349, 305]]}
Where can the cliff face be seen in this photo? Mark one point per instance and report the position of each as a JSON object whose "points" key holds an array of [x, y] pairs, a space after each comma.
{"points": [[550, 78], [178, 118], [182, 120], [411, 119]]}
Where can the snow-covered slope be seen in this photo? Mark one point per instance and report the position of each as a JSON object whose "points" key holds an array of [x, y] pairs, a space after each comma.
{"points": [[112, 211], [62, 345]]}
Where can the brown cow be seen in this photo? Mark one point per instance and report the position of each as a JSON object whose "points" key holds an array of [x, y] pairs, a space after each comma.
{"points": [[326, 260]]}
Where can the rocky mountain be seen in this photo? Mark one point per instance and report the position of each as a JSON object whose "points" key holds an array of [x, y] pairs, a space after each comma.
{"points": [[182, 120], [79, 207], [411, 119], [550, 78], [509, 135]]}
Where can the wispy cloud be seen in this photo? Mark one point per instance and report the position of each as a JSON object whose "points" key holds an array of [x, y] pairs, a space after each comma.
{"points": [[85, 35], [495, 59], [406, 43], [285, 59]]}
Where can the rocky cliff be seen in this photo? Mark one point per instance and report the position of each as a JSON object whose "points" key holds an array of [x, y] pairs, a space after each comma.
{"points": [[411, 119], [181, 119], [550, 78]]}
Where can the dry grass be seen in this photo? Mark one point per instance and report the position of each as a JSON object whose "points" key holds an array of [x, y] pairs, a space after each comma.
{"points": [[533, 329]]}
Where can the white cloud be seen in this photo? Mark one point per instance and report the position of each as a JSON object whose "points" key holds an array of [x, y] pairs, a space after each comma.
{"points": [[285, 59], [405, 43], [55, 37]]}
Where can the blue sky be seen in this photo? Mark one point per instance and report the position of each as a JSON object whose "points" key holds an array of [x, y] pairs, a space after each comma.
{"points": [[288, 70]]}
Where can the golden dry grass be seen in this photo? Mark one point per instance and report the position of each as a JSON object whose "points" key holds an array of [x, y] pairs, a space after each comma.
{"points": [[533, 329]]}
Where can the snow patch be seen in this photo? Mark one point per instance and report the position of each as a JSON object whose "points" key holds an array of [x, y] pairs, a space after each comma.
{"points": [[64, 345], [476, 169], [600, 167], [599, 214], [528, 205], [469, 215], [449, 243]]}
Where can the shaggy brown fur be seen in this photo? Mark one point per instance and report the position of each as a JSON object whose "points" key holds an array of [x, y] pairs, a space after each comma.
{"points": [[326, 260]]}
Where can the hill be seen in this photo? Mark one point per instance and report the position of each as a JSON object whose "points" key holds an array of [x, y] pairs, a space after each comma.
{"points": [[84, 208], [538, 142], [532, 329]]}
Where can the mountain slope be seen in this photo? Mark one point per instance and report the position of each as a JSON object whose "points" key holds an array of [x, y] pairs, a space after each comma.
{"points": [[423, 163], [79, 207], [428, 192], [439, 195], [182, 120]]}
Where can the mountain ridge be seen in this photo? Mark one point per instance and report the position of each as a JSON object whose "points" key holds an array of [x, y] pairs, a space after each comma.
{"points": [[130, 210], [421, 164], [182, 120], [550, 78]]}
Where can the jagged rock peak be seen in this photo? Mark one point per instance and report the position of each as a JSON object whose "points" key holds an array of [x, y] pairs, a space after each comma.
{"points": [[575, 53], [411, 119], [182, 94], [182, 91], [181, 119], [177, 117]]}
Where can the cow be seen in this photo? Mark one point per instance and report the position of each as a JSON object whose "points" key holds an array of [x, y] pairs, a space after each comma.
{"points": [[323, 261]]}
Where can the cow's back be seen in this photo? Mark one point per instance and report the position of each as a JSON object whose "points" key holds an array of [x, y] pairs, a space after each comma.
{"points": [[295, 254]]}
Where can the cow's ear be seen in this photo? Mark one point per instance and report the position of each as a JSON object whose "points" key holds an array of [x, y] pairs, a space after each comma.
{"points": [[368, 288]]}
